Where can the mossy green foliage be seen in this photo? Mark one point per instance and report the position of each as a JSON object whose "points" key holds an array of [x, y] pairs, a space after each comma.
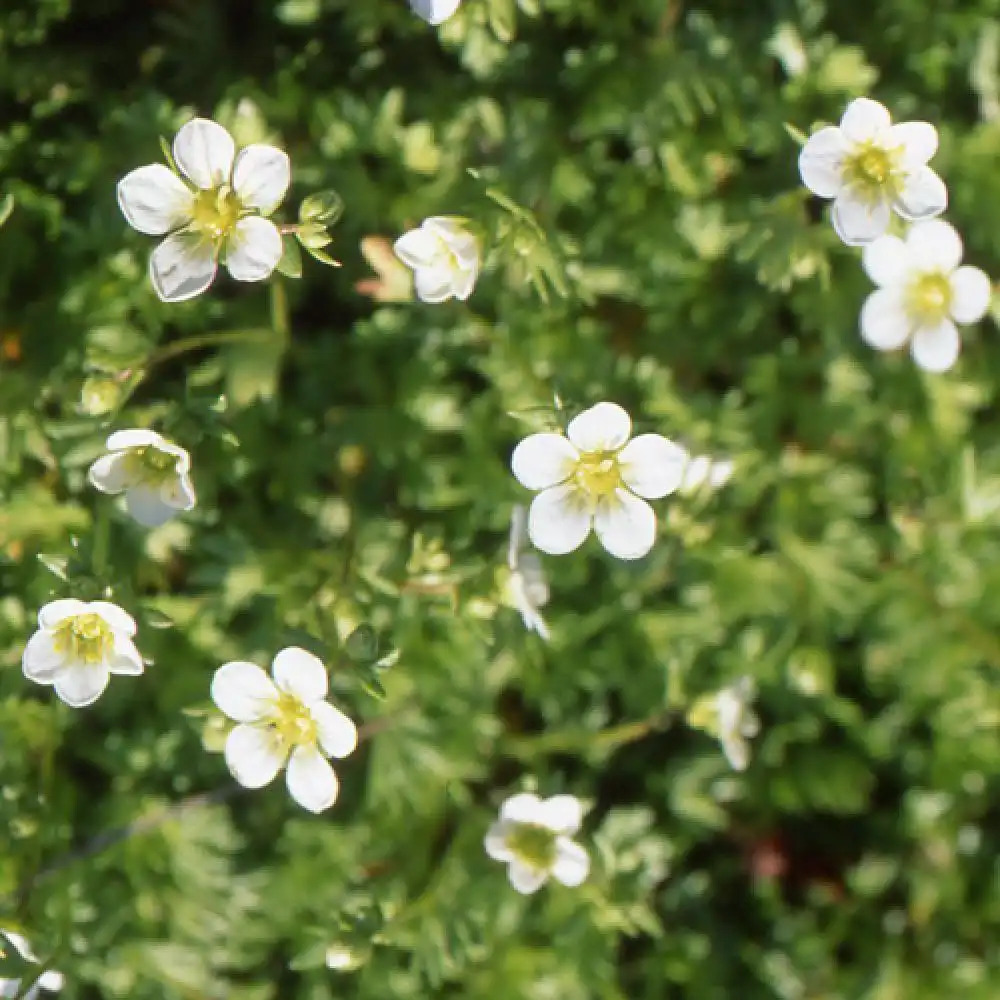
{"points": [[634, 169]]}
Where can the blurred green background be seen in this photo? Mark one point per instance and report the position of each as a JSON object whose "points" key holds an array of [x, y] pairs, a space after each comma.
{"points": [[351, 453]]}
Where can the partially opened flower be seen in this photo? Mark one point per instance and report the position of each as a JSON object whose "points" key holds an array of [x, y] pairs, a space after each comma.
{"points": [[78, 646], [594, 476], [50, 981], [215, 208], [870, 168], [532, 836], [922, 293], [444, 257], [435, 11], [729, 717], [151, 471], [284, 721], [704, 472], [527, 589]]}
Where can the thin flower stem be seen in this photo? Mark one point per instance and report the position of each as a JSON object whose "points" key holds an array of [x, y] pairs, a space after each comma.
{"points": [[576, 739]]}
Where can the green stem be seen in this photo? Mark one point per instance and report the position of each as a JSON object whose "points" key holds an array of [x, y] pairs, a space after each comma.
{"points": [[576, 739], [279, 309], [102, 536]]}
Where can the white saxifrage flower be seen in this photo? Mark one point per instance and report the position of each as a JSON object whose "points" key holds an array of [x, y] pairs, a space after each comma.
{"points": [[151, 471], [282, 721], [444, 257], [216, 210], [527, 589], [50, 981], [594, 476], [737, 722], [922, 293], [532, 836], [702, 471], [78, 646], [870, 168], [434, 11]]}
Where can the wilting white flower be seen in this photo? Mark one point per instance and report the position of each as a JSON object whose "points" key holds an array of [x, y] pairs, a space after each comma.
{"points": [[527, 589], [727, 715], [704, 471], [444, 257], [50, 981], [151, 471], [217, 209], [532, 836], [871, 167], [78, 646], [435, 11], [595, 477], [922, 293], [284, 721]]}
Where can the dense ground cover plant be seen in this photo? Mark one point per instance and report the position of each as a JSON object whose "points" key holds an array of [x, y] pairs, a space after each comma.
{"points": [[771, 740]]}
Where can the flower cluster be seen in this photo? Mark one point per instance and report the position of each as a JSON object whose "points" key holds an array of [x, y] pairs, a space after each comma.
{"points": [[871, 169]]}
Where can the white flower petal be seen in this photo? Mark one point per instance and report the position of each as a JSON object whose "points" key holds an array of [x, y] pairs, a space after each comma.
{"points": [[298, 672], [41, 661], [125, 658], [572, 864], [625, 525], [243, 691], [253, 249], [155, 200], [110, 473], [133, 437], [254, 755], [604, 427], [559, 520], [178, 493], [261, 177], [858, 221], [181, 267], [80, 684], [935, 349], [118, 619], [146, 506], [338, 736], [821, 162], [521, 808], [543, 460], [204, 151], [652, 466], [456, 238], [884, 323], [561, 813], [933, 245], [918, 139], [434, 11], [525, 878], [57, 611], [737, 751], [311, 781], [886, 260], [435, 284], [495, 841], [923, 195], [418, 248], [865, 120], [21, 945], [971, 293], [463, 282], [51, 981]]}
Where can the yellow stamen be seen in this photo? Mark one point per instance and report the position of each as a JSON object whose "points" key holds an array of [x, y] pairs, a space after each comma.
{"points": [[534, 845], [292, 721], [928, 299], [216, 212], [598, 474], [873, 170], [86, 637], [150, 464]]}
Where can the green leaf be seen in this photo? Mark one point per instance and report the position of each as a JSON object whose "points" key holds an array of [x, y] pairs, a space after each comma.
{"points": [[290, 264]]}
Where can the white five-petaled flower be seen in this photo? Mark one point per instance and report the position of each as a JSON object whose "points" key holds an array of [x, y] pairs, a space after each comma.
{"points": [[51, 981], [737, 723], [922, 293], [527, 589], [282, 721], [434, 11], [151, 471], [595, 476], [78, 646], [444, 257], [870, 167], [532, 836], [703, 471], [217, 209]]}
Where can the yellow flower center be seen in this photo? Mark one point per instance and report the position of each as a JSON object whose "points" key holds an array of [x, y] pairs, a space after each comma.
{"points": [[84, 637], [597, 473], [534, 845], [216, 212], [873, 170], [150, 464], [928, 299], [292, 721]]}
